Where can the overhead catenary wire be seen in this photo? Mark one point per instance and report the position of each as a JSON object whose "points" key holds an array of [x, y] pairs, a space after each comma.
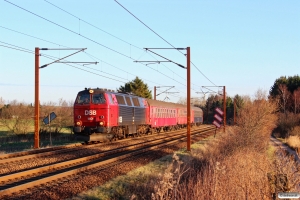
{"points": [[90, 55], [86, 38], [162, 39], [92, 25], [16, 49], [108, 34], [54, 58], [69, 30]]}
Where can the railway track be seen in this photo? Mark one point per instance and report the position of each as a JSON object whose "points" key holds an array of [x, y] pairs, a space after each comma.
{"points": [[21, 162], [62, 171]]}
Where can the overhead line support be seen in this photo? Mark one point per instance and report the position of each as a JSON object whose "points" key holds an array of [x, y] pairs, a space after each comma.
{"points": [[36, 89], [188, 67]]}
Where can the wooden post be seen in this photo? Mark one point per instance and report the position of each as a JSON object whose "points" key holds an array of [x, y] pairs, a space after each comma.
{"points": [[154, 93]]}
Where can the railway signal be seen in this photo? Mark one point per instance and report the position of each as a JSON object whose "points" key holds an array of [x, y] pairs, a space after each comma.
{"points": [[218, 110], [218, 119]]}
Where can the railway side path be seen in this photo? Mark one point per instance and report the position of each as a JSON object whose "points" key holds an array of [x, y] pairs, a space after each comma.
{"points": [[284, 147]]}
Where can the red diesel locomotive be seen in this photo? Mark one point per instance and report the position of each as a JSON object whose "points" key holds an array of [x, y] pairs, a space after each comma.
{"points": [[103, 115]]}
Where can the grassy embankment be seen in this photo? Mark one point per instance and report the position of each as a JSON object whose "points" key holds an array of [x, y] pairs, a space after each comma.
{"points": [[238, 164], [10, 142]]}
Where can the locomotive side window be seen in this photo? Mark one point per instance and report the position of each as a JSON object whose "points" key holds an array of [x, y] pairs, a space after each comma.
{"points": [[110, 99], [98, 98], [135, 101], [120, 100], [83, 98], [128, 101]]}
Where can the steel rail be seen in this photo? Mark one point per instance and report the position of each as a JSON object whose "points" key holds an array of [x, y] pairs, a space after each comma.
{"points": [[23, 156], [36, 151], [83, 159], [86, 166]]}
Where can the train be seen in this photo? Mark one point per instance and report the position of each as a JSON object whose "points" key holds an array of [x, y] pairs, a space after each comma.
{"points": [[105, 115]]}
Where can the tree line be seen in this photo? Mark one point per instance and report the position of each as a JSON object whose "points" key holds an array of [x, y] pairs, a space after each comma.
{"points": [[17, 117], [286, 92]]}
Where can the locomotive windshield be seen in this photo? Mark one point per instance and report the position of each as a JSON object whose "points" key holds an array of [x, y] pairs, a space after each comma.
{"points": [[83, 98], [98, 99], [87, 98]]}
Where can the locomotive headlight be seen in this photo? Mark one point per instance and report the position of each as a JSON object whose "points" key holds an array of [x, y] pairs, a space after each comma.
{"points": [[78, 123], [91, 91], [101, 123]]}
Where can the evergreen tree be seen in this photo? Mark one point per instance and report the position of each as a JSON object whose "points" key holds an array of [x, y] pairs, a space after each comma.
{"points": [[136, 87]]}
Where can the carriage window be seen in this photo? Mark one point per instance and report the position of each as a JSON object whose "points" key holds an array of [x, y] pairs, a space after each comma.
{"points": [[98, 98], [128, 101], [135, 101], [83, 98], [120, 100]]}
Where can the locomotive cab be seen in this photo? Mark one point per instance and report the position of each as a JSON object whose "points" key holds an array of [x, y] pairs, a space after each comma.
{"points": [[91, 115]]}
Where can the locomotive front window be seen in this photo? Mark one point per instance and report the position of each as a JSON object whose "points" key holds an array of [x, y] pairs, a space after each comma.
{"points": [[83, 98], [98, 98]]}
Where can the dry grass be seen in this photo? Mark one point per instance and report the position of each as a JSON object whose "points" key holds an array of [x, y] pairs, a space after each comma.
{"points": [[296, 131], [237, 174], [293, 141], [236, 165]]}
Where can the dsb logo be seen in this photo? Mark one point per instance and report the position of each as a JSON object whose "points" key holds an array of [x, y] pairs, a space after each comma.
{"points": [[90, 112]]}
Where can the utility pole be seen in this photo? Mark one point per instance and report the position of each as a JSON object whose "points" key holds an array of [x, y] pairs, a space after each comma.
{"points": [[36, 101], [188, 86], [188, 57], [165, 91]]}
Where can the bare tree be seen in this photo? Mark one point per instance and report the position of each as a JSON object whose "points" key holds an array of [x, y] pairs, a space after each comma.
{"points": [[284, 96], [64, 113], [2, 102], [296, 96], [195, 101]]}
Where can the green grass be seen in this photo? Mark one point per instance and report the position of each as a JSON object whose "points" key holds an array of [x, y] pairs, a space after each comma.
{"points": [[10, 142], [271, 152]]}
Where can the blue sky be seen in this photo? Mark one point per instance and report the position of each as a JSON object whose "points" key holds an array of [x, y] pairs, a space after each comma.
{"points": [[244, 45]]}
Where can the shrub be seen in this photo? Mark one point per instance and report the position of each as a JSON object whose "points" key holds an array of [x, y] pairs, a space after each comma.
{"points": [[17, 118], [293, 141], [286, 124]]}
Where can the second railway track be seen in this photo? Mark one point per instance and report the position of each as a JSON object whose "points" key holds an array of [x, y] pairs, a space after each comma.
{"points": [[26, 179]]}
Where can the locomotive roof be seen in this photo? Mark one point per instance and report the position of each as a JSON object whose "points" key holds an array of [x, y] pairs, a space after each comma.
{"points": [[151, 102], [102, 90]]}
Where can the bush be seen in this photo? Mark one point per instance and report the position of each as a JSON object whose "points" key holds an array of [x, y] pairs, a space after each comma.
{"points": [[17, 118], [286, 124], [236, 166]]}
